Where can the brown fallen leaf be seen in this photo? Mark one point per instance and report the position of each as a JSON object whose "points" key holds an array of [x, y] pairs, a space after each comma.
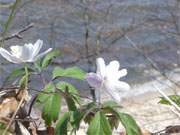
{"points": [[173, 129], [8, 106], [14, 114]]}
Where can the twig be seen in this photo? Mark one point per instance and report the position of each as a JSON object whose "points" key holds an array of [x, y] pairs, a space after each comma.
{"points": [[178, 114], [17, 34], [167, 98], [86, 24]]}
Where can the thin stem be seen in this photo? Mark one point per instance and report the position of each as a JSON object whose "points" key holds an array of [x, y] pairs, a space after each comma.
{"points": [[26, 76], [10, 19], [167, 98], [98, 97]]}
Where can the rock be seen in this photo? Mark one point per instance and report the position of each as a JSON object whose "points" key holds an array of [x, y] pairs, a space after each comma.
{"points": [[62, 25]]}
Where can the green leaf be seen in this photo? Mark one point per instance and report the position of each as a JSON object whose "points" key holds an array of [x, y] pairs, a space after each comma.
{"points": [[174, 98], [51, 109], [22, 81], [73, 72], [70, 94], [129, 124], [113, 121], [111, 104], [62, 86], [42, 97], [62, 125], [49, 57], [14, 74], [37, 65], [18, 72], [99, 125], [109, 109], [76, 117], [70, 102], [2, 125], [87, 109]]}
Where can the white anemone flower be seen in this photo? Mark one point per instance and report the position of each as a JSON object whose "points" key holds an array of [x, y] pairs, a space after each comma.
{"points": [[107, 78], [22, 54]]}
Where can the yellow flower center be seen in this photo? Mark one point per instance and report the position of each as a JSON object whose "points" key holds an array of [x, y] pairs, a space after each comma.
{"points": [[16, 51]]}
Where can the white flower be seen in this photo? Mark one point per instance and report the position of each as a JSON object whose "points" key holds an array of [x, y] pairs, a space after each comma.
{"points": [[107, 78], [26, 53]]}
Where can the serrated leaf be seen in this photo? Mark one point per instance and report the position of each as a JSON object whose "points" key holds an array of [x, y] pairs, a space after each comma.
{"points": [[49, 57], [73, 72], [113, 121], [62, 125], [62, 86], [51, 109], [87, 109], [99, 125], [111, 104], [174, 98], [76, 117], [70, 102], [129, 124], [109, 109], [42, 97]]}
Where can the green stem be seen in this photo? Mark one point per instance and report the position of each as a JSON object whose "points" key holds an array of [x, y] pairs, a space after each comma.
{"points": [[98, 97], [10, 19], [26, 76]]}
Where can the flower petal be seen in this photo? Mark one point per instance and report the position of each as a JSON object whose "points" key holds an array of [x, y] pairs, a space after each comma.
{"points": [[116, 89], [112, 70], [113, 66], [122, 73], [115, 95], [23, 52], [29, 48], [9, 56], [94, 80], [41, 55], [121, 86], [101, 67], [37, 47]]}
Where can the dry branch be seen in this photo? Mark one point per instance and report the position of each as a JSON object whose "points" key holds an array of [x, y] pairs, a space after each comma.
{"points": [[17, 34]]}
